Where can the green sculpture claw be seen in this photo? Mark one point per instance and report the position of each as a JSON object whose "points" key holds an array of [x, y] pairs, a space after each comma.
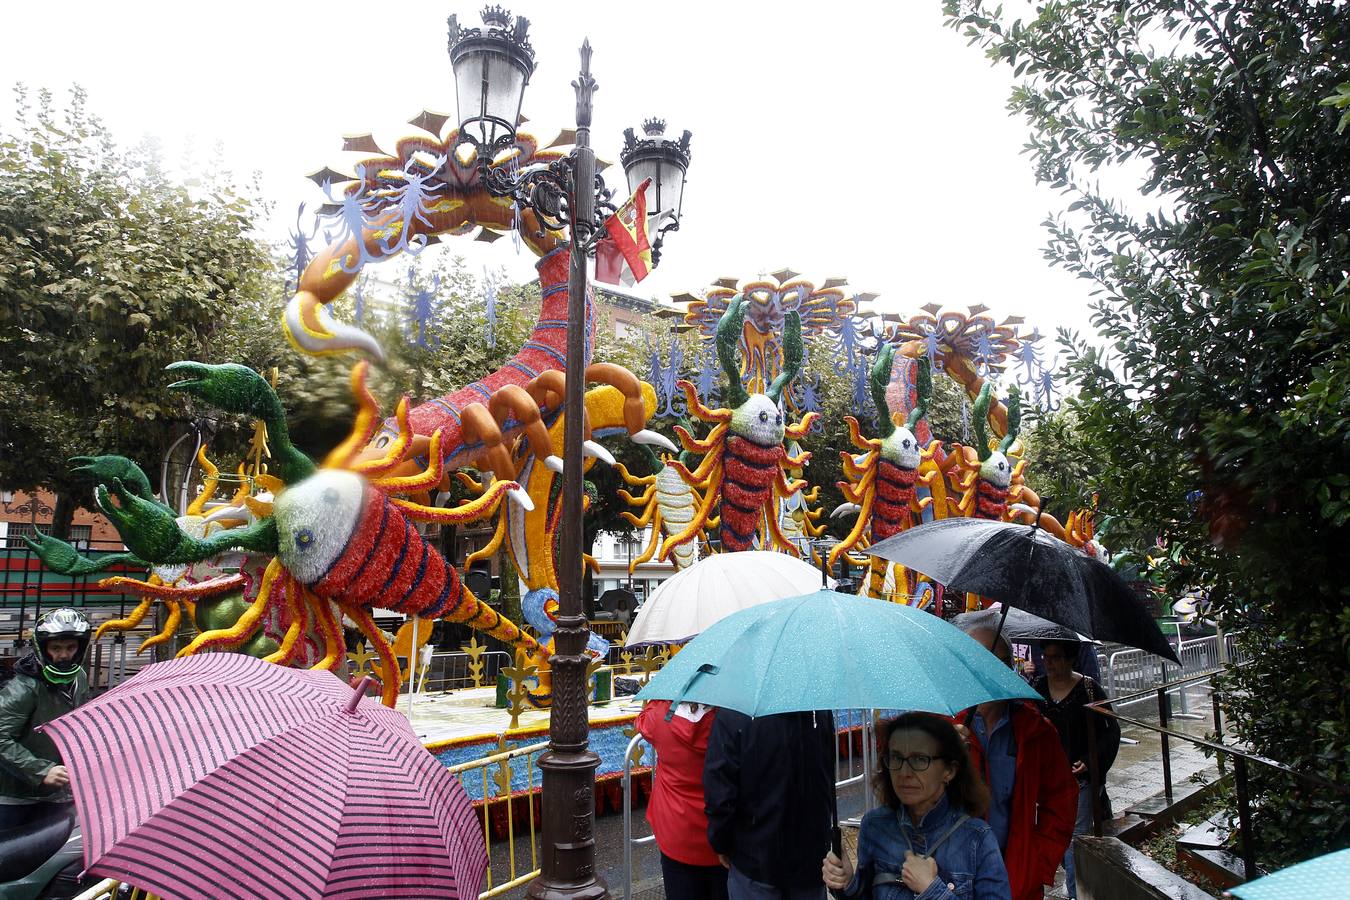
{"points": [[238, 389], [63, 559], [103, 469], [148, 529]]}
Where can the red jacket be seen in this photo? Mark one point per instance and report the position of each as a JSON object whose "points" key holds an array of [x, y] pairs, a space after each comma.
{"points": [[675, 811], [1044, 801]]}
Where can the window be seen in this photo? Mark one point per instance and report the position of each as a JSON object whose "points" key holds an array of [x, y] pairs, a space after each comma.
{"points": [[80, 535]]}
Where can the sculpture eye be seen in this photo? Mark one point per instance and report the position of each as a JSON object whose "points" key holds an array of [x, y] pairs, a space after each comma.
{"points": [[382, 442], [778, 419], [763, 416], [905, 443], [303, 538]]}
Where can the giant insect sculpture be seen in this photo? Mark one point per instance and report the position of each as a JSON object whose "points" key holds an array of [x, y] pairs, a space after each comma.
{"points": [[983, 475], [667, 505], [478, 423], [341, 533], [744, 460], [880, 484]]}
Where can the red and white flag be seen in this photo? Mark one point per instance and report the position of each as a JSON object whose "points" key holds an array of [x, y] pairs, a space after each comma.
{"points": [[625, 254]]}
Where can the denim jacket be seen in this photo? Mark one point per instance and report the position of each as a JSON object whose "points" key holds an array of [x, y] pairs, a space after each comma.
{"points": [[970, 866]]}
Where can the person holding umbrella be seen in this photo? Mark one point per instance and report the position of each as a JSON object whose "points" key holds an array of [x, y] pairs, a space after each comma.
{"points": [[768, 785], [1033, 795], [928, 838], [679, 733], [1066, 693]]}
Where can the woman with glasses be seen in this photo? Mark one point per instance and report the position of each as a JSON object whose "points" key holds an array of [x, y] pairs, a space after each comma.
{"points": [[928, 839]]}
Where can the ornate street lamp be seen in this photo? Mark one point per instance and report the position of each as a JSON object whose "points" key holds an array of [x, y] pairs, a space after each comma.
{"points": [[492, 65], [665, 162]]}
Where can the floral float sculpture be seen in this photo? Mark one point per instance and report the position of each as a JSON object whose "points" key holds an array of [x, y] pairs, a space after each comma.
{"points": [[767, 307], [880, 485], [341, 534], [744, 461], [668, 504]]}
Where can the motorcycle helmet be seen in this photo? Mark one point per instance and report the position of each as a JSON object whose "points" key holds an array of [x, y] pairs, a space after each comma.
{"points": [[61, 624]]}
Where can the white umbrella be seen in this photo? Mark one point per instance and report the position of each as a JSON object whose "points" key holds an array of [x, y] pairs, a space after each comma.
{"points": [[714, 588]]}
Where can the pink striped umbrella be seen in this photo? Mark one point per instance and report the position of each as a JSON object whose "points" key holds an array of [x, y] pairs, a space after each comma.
{"points": [[224, 776]]}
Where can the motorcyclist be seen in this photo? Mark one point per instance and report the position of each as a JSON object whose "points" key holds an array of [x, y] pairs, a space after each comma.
{"points": [[47, 684]]}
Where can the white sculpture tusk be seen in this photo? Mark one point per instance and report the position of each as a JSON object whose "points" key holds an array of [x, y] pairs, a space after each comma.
{"points": [[227, 512], [554, 463], [591, 448], [845, 509], [519, 496], [647, 436]]}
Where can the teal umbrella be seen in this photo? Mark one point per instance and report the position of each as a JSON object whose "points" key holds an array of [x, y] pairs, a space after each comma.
{"points": [[834, 651], [1324, 876]]}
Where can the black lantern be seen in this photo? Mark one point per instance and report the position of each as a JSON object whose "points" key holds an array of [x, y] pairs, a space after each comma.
{"points": [[492, 65], [665, 162]]}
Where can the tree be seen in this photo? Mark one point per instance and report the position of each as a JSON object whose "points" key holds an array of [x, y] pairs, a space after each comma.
{"points": [[108, 271], [1219, 410]]}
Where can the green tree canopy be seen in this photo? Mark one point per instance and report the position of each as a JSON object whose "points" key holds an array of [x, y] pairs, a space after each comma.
{"points": [[1217, 414], [108, 271]]}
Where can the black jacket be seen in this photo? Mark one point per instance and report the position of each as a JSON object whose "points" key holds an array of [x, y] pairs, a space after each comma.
{"points": [[767, 787]]}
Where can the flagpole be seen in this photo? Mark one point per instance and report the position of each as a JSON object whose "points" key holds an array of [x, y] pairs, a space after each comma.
{"points": [[568, 766]]}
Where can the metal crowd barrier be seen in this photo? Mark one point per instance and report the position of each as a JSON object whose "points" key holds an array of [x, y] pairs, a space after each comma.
{"points": [[1131, 673], [501, 780], [450, 670]]}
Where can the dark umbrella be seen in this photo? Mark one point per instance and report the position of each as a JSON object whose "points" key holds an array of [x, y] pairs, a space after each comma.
{"points": [[1024, 567], [1015, 625]]}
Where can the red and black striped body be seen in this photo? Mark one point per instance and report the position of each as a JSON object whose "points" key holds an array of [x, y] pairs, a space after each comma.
{"points": [[991, 501], [748, 476], [387, 564], [892, 508]]}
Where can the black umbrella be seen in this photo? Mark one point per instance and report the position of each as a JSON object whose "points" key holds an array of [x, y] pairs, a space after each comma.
{"points": [[1015, 625], [1024, 567]]}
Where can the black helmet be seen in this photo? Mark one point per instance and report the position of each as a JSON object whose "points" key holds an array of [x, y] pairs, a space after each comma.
{"points": [[61, 624]]}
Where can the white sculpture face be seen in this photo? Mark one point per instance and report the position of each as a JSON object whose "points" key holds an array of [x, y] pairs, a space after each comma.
{"points": [[315, 520], [901, 448], [996, 470], [758, 421]]}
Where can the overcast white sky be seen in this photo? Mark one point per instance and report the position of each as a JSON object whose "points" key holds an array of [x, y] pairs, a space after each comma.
{"points": [[860, 140]]}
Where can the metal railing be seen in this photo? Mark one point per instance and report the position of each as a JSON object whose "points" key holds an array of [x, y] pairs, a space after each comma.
{"points": [[450, 671], [1240, 758], [1134, 673], [111, 889], [629, 842], [502, 779]]}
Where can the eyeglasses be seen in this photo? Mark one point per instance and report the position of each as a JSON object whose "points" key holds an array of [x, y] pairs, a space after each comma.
{"points": [[918, 762]]}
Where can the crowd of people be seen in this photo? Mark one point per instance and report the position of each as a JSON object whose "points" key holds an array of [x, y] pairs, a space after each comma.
{"points": [[983, 805]]}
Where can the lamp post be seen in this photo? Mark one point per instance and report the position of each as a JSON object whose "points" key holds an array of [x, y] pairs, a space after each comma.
{"points": [[492, 65]]}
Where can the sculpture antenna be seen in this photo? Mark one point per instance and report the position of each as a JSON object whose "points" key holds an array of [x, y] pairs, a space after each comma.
{"points": [[792, 356], [1014, 420], [881, 377], [728, 337], [982, 421], [923, 382]]}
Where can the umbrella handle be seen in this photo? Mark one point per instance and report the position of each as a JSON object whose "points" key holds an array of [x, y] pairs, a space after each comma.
{"points": [[705, 669], [358, 691]]}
